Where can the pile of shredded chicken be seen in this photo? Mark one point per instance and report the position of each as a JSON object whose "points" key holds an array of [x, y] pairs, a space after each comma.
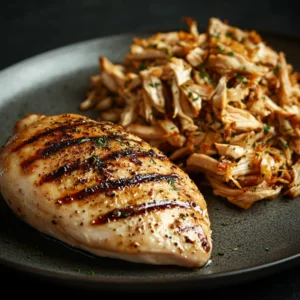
{"points": [[222, 103]]}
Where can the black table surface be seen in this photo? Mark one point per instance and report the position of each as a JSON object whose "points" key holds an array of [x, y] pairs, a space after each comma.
{"points": [[32, 27]]}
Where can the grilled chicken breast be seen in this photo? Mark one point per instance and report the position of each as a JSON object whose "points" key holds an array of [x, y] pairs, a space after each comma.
{"points": [[98, 188]]}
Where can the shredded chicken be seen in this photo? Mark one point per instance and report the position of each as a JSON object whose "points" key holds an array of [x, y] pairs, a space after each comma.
{"points": [[220, 102]]}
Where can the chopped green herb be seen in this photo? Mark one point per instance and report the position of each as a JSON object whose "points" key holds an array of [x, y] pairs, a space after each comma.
{"points": [[285, 145], [171, 181], [152, 160], [220, 253], [276, 70], [154, 85], [229, 34], [201, 65], [125, 214], [203, 75], [190, 94], [217, 36], [235, 249], [231, 53], [78, 269], [239, 77], [142, 67], [281, 153], [102, 141], [220, 48], [91, 273], [267, 129], [196, 98], [267, 249], [96, 161], [182, 216]]}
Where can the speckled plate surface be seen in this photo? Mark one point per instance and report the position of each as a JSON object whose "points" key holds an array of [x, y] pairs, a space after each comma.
{"points": [[247, 244]]}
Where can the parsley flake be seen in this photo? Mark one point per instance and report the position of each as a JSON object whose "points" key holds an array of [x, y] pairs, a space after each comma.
{"points": [[220, 48], [267, 129], [142, 67], [102, 142], [276, 70]]}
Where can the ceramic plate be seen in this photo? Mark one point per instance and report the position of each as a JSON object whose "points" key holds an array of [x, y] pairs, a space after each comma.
{"points": [[247, 244]]}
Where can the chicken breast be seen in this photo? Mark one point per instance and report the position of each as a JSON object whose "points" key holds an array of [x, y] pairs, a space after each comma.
{"points": [[98, 188]]}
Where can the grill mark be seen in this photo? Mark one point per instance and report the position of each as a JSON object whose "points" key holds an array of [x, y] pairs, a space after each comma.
{"points": [[143, 208], [199, 231], [109, 185], [51, 131], [99, 162], [56, 147]]}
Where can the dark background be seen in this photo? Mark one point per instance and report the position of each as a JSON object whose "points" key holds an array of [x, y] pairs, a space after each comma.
{"points": [[31, 27]]}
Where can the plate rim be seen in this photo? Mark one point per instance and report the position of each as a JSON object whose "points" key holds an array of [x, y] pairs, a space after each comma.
{"points": [[202, 281], [24, 61], [218, 279]]}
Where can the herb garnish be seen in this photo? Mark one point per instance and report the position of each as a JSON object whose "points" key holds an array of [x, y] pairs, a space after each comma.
{"points": [[142, 67], [171, 181], [267, 129], [229, 34], [96, 161], [285, 145], [154, 85], [220, 48], [276, 70], [102, 141]]}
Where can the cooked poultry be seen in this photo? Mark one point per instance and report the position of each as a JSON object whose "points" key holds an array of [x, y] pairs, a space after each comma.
{"points": [[222, 102], [99, 188]]}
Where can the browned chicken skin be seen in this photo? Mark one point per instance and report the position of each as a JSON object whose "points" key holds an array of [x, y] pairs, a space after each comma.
{"points": [[98, 188]]}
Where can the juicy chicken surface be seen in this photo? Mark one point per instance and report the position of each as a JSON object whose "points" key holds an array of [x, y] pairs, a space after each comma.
{"points": [[220, 102], [99, 188]]}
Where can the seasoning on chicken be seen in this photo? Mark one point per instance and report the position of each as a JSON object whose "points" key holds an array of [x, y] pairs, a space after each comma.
{"points": [[98, 188], [222, 102]]}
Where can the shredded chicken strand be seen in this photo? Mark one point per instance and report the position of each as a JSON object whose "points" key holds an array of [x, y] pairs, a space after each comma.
{"points": [[220, 102]]}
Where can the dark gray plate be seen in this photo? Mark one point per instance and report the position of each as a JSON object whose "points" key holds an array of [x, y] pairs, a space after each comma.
{"points": [[56, 82]]}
